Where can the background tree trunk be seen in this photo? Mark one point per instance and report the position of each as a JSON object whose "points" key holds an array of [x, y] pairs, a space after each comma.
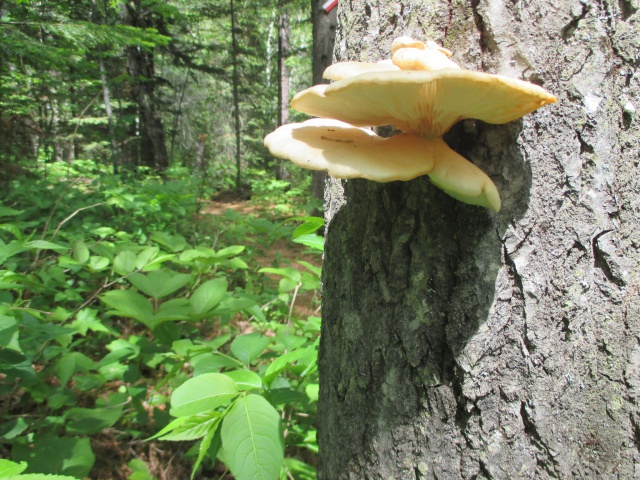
{"points": [[106, 95], [153, 149], [458, 343], [324, 37], [236, 95], [284, 46]]}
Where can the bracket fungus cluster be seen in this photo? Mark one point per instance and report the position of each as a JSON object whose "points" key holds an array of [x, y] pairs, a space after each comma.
{"points": [[422, 93]]}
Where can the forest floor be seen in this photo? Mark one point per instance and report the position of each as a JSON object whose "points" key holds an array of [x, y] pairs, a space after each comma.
{"points": [[282, 252]]}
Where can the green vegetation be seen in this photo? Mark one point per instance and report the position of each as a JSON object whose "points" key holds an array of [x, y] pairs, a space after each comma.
{"points": [[146, 331], [116, 327]]}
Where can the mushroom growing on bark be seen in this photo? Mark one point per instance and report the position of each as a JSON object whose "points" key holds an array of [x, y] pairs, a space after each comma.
{"points": [[421, 93]]}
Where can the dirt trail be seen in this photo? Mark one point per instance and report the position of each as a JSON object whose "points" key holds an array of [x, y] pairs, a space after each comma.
{"points": [[281, 253]]}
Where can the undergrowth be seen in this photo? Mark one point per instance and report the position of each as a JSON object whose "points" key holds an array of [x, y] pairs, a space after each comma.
{"points": [[141, 338]]}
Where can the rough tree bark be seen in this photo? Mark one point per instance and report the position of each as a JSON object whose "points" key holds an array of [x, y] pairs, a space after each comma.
{"points": [[458, 343], [153, 148]]}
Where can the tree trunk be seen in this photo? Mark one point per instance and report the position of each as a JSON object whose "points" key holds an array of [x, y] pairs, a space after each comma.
{"points": [[141, 67], [54, 127], [106, 96], [458, 343], [284, 46], [236, 95], [324, 36]]}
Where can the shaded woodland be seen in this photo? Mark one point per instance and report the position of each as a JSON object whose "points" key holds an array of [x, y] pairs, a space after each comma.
{"points": [[154, 280]]}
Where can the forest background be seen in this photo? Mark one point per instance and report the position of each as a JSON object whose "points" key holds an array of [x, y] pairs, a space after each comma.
{"points": [[130, 303]]}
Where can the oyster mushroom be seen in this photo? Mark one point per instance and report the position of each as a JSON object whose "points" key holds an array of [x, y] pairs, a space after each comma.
{"points": [[423, 100]]}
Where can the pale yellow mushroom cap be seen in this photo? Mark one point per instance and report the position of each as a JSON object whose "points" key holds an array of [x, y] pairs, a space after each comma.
{"points": [[424, 102], [422, 59], [434, 45], [462, 180], [345, 151], [406, 42], [342, 70], [421, 93]]}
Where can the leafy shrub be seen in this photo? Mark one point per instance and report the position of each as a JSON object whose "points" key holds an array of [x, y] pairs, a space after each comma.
{"points": [[105, 310]]}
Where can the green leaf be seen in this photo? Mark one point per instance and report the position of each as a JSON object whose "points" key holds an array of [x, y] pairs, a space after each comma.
{"points": [[283, 361], [60, 455], [230, 252], [193, 427], [9, 468], [300, 470], [236, 264], [216, 445], [87, 319], [9, 332], [9, 212], [204, 446], [71, 363], [16, 366], [282, 396], [174, 309], [174, 243], [312, 268], [286, 285], [310, 281], [146, 256], [98, 263], [45, 245], [310, 225], [125, 262], [312, 390], [10, 249], [11, 228], [89, 421], [288, 272], [210, 363], [127, 303], [81, 253], [175, 423], [245, 379], [159, 283], [208, 295], [312, 240], [251, 439], [12, 428], [157, 262], [198, 253], [204, 392], [139, 470], [247, 348]]}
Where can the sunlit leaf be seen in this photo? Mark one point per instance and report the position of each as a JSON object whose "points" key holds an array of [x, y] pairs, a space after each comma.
{"points": [[283, 361], [45, 245], [245, 379], [208, 295], [252, 439], [202, 393], [125, 262], [247, 348], [312, 240], [127, 303], [159, 283]]}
